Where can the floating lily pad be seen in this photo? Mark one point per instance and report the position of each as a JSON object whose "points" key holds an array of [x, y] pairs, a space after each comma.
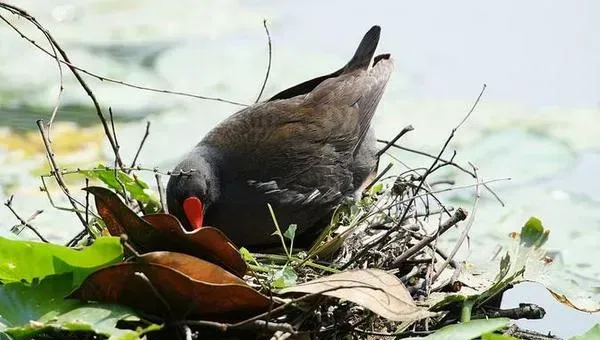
{"points": [[27, 310], [520, 155], [27, 260]]}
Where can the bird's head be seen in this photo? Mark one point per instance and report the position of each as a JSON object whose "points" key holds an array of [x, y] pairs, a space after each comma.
{"points": [[192, 188]]}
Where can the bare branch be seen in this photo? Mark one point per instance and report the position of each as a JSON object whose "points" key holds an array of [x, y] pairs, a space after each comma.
{"points": [[56, 171], [268, 65], [161, 196], [24, 223], [391, 143], [465, 231], [459, 215], [387, 168], [137, 154]]}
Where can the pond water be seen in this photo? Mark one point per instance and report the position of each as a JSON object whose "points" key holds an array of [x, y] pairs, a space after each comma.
{"points": [[538, 122]]}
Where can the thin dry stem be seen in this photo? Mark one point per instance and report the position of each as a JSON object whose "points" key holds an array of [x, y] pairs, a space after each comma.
{"points": [[467, 228], [459, 215], [262, 88], [137, 153], [56, 171], [24, 223]]}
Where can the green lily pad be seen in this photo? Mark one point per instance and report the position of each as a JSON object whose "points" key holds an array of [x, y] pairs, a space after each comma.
{"points": [[521, 155], [592, 334], [28, 260], [27, 310]]}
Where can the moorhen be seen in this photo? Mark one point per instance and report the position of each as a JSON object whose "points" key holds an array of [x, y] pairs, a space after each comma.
{"points": [[302, 151]]}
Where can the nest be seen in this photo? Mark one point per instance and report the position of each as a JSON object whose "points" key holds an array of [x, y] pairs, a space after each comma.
{"points": [[394, 227]]}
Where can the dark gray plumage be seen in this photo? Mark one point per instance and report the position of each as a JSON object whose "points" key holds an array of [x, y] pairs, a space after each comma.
{"points": [[302, 151]]}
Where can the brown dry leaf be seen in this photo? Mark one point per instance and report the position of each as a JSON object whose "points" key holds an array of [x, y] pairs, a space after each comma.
{"points": [[374, 289], [191, 266], [206, 242], [164, 232], [192, 288]]}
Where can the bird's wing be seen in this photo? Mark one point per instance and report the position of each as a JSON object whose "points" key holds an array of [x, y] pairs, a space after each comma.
{"points": [[307, 141], [361, 90], [297, 195]]}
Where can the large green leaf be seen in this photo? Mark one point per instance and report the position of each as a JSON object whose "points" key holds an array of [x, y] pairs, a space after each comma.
{"points": [[26, 260], [28, 310], [117, 180]]}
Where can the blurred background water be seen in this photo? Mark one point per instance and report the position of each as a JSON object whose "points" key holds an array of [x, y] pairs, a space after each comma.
{"points": [[538, 122]]}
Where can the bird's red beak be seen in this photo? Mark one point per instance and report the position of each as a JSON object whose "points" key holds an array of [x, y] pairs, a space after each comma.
{"points": [[193, 208]]}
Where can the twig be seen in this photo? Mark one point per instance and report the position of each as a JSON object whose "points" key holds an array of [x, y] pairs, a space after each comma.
{"points": [[395, 203], [435, 212], [429, 186], [161, 197], [56, 172], [528, 311], [135, 168], [442, 254], [422, 153], [44, 188], [116, 151], [431, 194], [459, 215], [387, 168], [269, 64], [24, 223], [465, 231], [112, 125], [404, 214], [158, 295], [442, 181], [446, 162], [137, 154], [516, 332], [279, 232], [87, 204], [257, 325], [124, 239], [431, 268], [77, 238], [391, 143]]}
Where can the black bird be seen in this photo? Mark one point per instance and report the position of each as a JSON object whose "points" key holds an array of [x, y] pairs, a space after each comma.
{"points": [[302, 151]]}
